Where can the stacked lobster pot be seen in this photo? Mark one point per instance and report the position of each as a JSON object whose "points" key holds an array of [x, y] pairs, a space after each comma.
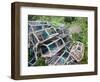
{"points": [[55, 45]]}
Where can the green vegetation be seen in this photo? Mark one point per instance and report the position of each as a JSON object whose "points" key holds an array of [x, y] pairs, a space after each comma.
{"points": [[55, 20], [81, 36], [40, 62]]}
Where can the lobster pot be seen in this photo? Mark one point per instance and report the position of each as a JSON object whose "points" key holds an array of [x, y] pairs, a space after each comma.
{"points": [[63, 31], [32, 40], [60, 58], [42, 30], [31, 56], [77, 51], [32, 49], [51, 47]]}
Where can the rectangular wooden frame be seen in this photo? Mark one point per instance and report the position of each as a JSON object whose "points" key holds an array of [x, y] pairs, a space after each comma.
{"points": [[15, 40]]}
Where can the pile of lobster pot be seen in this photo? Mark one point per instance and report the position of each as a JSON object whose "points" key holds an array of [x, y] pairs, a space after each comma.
{"points": [[55, 45]]}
